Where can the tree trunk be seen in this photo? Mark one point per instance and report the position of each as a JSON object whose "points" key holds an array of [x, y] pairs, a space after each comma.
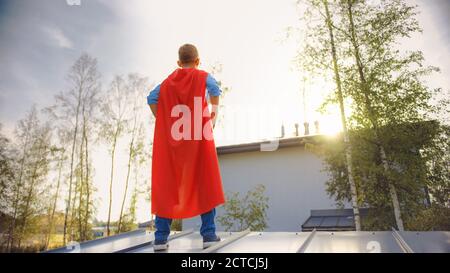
{"points": [[130, 156], [66, 215], [12, 227], [73, 210], [52, 216], [88, 189], [347, 145], [393, 193], [126, 188], [373, 119], [108, 231], [80, 198], [29, 196]]}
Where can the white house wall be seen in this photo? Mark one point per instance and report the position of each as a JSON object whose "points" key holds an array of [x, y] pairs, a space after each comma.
{"points": [[294, 181]]}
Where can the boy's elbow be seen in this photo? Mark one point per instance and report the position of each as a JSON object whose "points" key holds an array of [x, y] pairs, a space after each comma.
{"points": [[214, 100], [153, 108]]}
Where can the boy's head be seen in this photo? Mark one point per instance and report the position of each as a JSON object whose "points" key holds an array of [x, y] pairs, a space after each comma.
{"points": [[188, 56]]}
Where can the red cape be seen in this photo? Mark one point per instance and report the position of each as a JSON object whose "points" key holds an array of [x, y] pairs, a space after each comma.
{"points": [[186, 178]]}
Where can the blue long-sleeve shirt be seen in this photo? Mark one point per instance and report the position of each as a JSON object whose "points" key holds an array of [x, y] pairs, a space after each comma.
{"points": [[212, 89]]}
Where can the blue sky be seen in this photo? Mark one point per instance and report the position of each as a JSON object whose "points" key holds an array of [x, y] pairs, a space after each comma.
{"points": [[40, 40]]}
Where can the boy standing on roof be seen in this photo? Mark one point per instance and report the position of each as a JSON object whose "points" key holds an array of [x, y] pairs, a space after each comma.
{"points": [[186, 179]]}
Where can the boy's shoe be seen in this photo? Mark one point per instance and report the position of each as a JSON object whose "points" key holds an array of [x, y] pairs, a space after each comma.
{"points": [[160, 245], [209, 241]]}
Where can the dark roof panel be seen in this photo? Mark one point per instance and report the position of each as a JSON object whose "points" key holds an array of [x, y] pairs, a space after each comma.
{"points": [[332, 220]]}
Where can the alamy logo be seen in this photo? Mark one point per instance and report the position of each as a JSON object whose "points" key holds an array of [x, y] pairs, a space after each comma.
{"points": [[373, 247], [182, 127], [189, 124], [73, 2]]}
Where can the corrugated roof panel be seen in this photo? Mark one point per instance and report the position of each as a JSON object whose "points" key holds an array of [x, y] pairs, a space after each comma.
{"points": [[427, 242], [275, 242], [353, 242], [192, 242], [310, 242], [109, 244]]}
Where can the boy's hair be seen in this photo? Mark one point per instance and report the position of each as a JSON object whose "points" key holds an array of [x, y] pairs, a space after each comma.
{"points": [[187, 53]]}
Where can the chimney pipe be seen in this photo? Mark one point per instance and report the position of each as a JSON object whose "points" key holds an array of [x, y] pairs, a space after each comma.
{"points": [[306, 124], [316, 124]]}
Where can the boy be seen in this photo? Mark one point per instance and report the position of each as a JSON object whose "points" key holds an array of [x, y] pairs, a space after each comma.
{"points": [[186, 179]]}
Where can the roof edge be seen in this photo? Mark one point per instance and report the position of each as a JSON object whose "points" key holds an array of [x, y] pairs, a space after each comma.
{"points": [[282, 143]]}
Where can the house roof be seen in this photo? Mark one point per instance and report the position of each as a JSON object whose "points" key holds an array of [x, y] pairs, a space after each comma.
{"points": [[282, 143], [415, 129], [140, 241]]}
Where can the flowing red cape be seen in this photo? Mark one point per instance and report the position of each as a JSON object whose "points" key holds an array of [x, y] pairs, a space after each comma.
{"points": [[186, 178]]}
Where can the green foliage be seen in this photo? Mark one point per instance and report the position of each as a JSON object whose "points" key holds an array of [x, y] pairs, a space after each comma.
{"points": [[48, 162], [25, 196], [247, 212], [433, 218], [391, 110], [128, 223], [129, 219], [177, 224], [411, 151], [7, 164]]}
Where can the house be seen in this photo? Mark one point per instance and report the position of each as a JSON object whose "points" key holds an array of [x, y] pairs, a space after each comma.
{"points": [[293, 176]]}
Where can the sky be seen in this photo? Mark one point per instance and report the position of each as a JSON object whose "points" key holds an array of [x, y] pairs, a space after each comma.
{"points": [[40, 40]]}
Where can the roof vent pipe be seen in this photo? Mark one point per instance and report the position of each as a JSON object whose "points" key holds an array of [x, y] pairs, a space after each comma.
{"points": [[317, 126], [306, 124]]}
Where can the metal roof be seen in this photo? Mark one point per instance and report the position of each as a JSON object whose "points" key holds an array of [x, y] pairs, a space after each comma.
{"points": [[140, 241]]}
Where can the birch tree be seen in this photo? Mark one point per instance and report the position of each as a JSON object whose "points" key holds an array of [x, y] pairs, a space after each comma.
{"points": [[385, 83], [8, 170], [135, 90], [388, 82], [83, 79], [6, 173], [39, 168], [114, 110], [320, 53], [60, 156], [24, 135], [29, 193], [89, 112]]}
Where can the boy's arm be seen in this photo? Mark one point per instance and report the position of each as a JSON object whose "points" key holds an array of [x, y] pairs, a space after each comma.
{"points": [[214, 92], [152, 99], [215, 108], [154, 108]]}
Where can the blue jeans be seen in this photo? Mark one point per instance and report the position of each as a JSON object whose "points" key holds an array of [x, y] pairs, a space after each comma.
{"points": [[207, 230]]}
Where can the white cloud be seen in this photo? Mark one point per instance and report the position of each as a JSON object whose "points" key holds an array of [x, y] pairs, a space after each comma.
{"points": [[57, 36]]}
